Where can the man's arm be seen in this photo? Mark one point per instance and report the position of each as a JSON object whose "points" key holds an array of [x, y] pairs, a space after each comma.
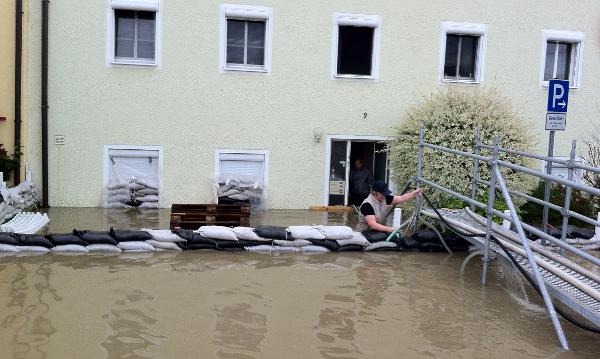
{"points": [[406, 197], [372, 222]]}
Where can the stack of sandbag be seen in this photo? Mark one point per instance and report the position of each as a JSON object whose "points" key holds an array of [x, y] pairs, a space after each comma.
{"points": [[240, 189], [17, 199], [164, 239], [135, 192]]}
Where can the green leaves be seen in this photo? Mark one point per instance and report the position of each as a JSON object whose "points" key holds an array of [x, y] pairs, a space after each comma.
{"points": [[8, 162]]}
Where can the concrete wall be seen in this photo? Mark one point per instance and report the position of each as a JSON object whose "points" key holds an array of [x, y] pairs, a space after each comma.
{"points": [[190, 108], [7, 74]]}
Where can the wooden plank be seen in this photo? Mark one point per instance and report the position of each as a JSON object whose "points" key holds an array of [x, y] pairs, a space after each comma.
{"points": [[347, 209]]}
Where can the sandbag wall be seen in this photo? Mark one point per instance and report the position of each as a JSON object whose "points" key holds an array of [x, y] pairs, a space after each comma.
{"points": [[240, 189], [135, 192], [17, 199], [260, 239]]}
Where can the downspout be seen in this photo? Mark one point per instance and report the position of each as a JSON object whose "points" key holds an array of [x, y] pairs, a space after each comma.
{"points": [[45, 103], [18, 60]]}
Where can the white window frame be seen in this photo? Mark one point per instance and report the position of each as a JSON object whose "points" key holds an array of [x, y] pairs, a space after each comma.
{"points": [[464, 28], [106, 168], [245, 12], [265, 153], [576, 38], [373, 21], [135, 5]]}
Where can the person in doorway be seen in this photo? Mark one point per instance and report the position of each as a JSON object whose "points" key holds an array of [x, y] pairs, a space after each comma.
{"points": [[360, 177], [376, 208]]}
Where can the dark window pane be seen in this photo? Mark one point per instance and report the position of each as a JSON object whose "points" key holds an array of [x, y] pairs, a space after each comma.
{"points": [[124, 33], [549, 67], [256, 33], [256, 55], [235, 55], [236, 32], [563, 64], [145, 49], [468, 57], [355, 50], [451, 56], [146, 34]]}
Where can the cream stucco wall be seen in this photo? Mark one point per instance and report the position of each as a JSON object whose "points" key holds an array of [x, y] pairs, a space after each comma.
{"points": [[190, 108], [7, 73]]}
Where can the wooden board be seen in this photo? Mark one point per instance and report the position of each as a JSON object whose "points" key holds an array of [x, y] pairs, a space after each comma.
{"points": [[331, 209]]}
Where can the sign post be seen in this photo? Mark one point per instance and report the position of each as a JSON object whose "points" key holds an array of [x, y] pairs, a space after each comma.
{"points": [[556, 120]]}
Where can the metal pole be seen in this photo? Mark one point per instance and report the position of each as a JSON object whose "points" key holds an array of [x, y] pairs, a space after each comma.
{"points": [[568, 190], [548, 184], [490, 206], [534, 267], [419, 167], [475, 168]]}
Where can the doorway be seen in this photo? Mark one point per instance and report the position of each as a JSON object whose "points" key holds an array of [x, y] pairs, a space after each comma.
{"points": [[341, 174]]}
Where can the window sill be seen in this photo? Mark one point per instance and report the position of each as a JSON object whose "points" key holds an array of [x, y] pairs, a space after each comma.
{"points": [[355, 77], [466, 82], [547, 84], [140, 63], [259, 70]]}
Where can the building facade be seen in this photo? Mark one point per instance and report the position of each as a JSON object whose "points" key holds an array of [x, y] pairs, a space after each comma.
{"points": [[290, 92]]}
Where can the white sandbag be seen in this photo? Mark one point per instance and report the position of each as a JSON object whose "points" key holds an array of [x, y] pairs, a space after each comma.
{"points": [[34, 249], [163, 235], [357, 238], [149, 198], [114, 186], [163, 245], [108, 248], [248, 234], [146, 183], [294, 243], [73, 248], [118, 198], [148, 191], [139, 246], [117, 205], [8, 248], [260, 248], [118, 192], [314, 249], [218, 232], [149, 205], [305, 232], [382, 244], [228, 192], [135, 186], [335, 232], [239, 197]]}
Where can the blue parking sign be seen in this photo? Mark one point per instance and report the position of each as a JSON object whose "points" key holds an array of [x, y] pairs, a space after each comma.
{"points": [[558, 96]]}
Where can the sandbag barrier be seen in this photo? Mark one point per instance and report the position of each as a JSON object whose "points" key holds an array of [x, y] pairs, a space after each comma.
{"points": [[17, 199], [259, 239]]}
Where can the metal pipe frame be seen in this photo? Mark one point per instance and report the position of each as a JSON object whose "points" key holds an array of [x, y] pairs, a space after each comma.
{"points": [[532, 262], [475, 168], [565, 222], [489, 215], [457, 152]]}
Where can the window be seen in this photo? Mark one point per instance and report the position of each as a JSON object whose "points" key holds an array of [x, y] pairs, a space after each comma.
{"points": [[462, 52], [133, 36], [355, 48], [245, 38], [248, 163], [561, 56]]}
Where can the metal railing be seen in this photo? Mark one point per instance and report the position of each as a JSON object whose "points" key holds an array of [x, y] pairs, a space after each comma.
{"points": [[496, 181]]}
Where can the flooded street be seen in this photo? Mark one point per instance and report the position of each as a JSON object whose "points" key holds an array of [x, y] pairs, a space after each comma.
{"points": [[208, 304]]}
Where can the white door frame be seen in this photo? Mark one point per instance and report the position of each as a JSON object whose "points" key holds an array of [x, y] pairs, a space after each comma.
{"points": [[327, 167]]}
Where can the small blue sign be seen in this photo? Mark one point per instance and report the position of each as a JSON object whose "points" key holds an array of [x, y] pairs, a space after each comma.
{"points": [[558, 96]]}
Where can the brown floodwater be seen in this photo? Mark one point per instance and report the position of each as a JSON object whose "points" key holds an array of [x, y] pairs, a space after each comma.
{"points": [[207, 304]]}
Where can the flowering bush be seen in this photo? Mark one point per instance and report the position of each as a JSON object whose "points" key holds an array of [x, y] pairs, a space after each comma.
{"points": [[592, 143], [8, 162], [450, 118]]}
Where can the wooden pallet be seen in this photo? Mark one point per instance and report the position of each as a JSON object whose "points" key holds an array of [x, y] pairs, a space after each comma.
{"points": [[193, 216]]}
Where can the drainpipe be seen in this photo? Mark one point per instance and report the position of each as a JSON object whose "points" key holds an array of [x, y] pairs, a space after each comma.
{"points": [[18, 57], [45, 103]]}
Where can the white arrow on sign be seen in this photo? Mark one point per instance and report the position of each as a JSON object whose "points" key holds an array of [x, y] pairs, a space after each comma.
{"points": [[562, 104]]}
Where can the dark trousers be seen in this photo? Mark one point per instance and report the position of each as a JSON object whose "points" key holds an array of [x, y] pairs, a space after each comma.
{"points": [[356, 199]]}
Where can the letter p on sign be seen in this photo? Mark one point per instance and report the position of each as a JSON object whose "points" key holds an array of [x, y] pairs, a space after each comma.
{"points": [[558, 96]]}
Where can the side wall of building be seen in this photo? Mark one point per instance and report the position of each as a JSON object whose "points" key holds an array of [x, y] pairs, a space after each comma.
{"points": [[191, 108]]}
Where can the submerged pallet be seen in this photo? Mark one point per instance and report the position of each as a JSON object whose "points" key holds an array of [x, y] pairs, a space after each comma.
{"points": [[192, 216]]}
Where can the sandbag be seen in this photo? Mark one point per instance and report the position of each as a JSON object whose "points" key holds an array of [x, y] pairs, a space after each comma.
{"points": [[248, 233], [65, 239], [95, 237], [425, 237], [327, 243], [72, 248], [351, 248], [148, 191], [108, 248], [294, 243], [314, 249], [377, 236], [33, 249], [305, 232], [218, 232], [149, 198], [382, 245], [185, 234], [409, 244], [163, 235], [8, 248], [135, 187], [138, 246], [8, 238], [115, 186], [272, 232], [357, 239], [260, 248], [578, 232], [129, 235], [195, 246], [148, 205], [335, 232], [225, 244], [147, 184], [163, 245], [197, 238], [33, 240]]}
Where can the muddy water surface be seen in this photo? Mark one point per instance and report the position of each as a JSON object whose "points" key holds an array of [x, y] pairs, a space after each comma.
{"points": [[206, 304]]}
